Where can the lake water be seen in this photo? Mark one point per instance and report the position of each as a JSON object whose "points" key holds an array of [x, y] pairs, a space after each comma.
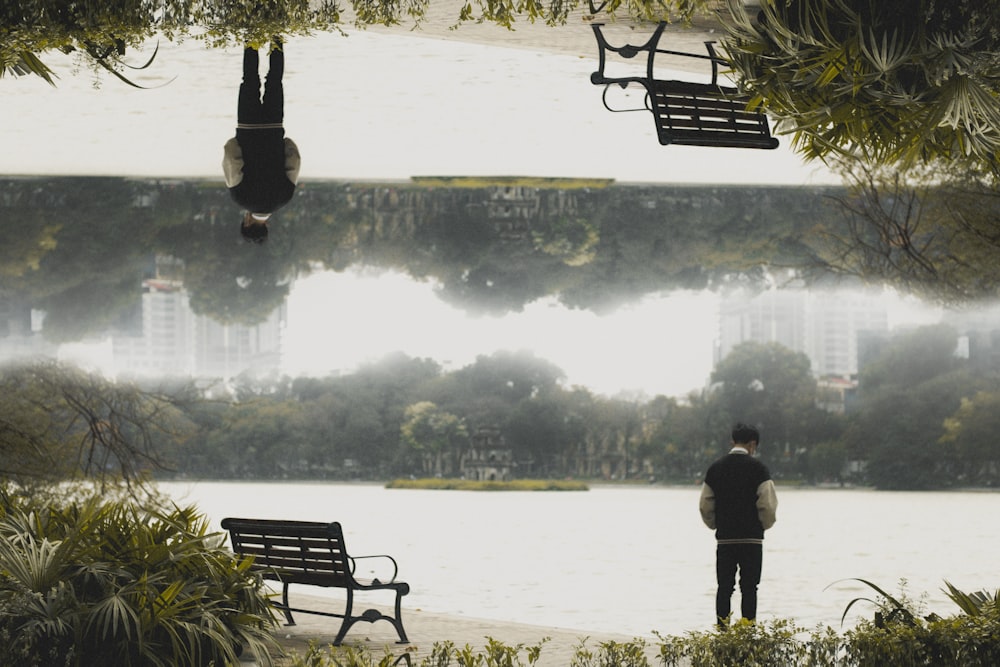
{"points": [[633, 560]]}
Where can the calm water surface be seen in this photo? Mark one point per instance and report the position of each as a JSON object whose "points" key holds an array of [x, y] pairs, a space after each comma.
{"points": [[634, 560]]}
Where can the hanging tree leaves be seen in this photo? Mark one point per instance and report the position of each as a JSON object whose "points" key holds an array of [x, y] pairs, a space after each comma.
{"points": [[58, 423]]}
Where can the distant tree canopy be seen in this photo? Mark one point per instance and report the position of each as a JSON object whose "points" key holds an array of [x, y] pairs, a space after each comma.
{"points": [[590, 248], [930, 230], [931, 426], [95, 241], [58, 423]]}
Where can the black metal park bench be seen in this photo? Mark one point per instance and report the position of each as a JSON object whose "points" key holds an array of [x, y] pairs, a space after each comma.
{"points": [[686, 113], [312, 553]]}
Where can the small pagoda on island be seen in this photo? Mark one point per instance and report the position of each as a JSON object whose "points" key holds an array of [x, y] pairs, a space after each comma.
{"points": [[488, 458]]}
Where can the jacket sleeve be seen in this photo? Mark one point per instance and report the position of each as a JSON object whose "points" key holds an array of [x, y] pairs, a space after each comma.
{"points": [[232, 163], [767, 504], [706, 505], [292, 160]]}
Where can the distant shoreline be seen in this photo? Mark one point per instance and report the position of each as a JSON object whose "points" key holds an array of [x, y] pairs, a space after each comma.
{"points": [[445, 484], [587, 484]]}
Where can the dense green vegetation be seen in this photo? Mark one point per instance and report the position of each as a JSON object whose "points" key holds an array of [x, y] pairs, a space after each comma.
{"points": [[921, 424], [888, 83], [105, 582]]}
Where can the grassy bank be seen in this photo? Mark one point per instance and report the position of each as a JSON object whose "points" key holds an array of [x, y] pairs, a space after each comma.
{"points": [[473, 485], [540, 182]]}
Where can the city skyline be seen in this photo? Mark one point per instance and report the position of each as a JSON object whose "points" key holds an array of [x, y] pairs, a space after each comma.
{"points": [[333, 322]]}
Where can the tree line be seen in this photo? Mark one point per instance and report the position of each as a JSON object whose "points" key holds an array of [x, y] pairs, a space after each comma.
{"points": [[87, 243], [922, 418]]}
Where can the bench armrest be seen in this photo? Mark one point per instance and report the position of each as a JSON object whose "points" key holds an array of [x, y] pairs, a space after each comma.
{"points": [[651, 48], [604, 97], [395, 566]]}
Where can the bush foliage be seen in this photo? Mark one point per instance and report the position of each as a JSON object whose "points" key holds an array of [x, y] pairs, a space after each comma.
{"points": [[112, 583]]}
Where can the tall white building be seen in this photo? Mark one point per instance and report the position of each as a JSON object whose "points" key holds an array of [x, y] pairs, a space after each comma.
{"points": [[159, 341], [166, 338], [226, 350], [822, 324]]}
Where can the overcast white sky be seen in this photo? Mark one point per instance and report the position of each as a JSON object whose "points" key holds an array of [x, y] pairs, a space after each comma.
{"points": [[662, 344]]}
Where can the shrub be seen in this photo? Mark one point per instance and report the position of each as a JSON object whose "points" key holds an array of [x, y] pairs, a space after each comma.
{"points": [[959, 641], [899, 634], [744, 643], [443, 654], [112, 583], [612, 654]]}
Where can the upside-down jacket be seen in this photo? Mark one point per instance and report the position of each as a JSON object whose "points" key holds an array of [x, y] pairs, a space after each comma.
{"points": [[261, 167]]}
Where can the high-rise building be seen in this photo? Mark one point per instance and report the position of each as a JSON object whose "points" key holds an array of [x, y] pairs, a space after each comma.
{"points": [[836, 320], [226, 350], [824, 325], [166, 338], [159, 339]]}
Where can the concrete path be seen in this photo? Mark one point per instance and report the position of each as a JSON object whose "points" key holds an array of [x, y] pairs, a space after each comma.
{"points": [[423, 629]]}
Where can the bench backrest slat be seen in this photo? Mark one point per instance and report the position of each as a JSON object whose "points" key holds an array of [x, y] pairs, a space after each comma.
{"points": [[700, 115], [294, 550]]}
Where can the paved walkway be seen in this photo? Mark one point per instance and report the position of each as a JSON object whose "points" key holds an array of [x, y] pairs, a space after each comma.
{"points": [[423, 629], [575, 38], [479, 100]]}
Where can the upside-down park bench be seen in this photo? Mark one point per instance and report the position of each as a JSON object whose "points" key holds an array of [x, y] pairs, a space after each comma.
{"points": [[312, 553], [686, 113]]}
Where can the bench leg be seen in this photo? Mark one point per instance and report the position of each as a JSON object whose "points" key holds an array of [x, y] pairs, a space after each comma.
{"points": [[284, 601], [348, 619], [371, 616], [398, 621]]}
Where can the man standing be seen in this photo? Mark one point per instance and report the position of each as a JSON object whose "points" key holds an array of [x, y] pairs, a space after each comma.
{"points": [[260, 164], [738, 501]]}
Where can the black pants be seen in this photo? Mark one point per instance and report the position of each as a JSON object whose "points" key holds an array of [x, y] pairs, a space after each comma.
{"points": [[748, 558], [252, 109]]}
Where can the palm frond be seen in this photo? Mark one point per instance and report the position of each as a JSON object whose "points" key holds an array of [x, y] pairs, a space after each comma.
{"points": [[971, 604], [888, 604], [27, 63], [885, 54]]}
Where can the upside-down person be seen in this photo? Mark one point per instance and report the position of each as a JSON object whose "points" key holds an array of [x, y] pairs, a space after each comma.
{"points": [[261, 164]]}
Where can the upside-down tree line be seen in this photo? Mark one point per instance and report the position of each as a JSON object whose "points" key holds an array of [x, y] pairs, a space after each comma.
{"points": [[87, 244]]}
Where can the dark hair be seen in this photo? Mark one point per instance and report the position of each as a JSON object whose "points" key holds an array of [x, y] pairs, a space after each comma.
{"points": [[253, 233], [744, 434]]}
